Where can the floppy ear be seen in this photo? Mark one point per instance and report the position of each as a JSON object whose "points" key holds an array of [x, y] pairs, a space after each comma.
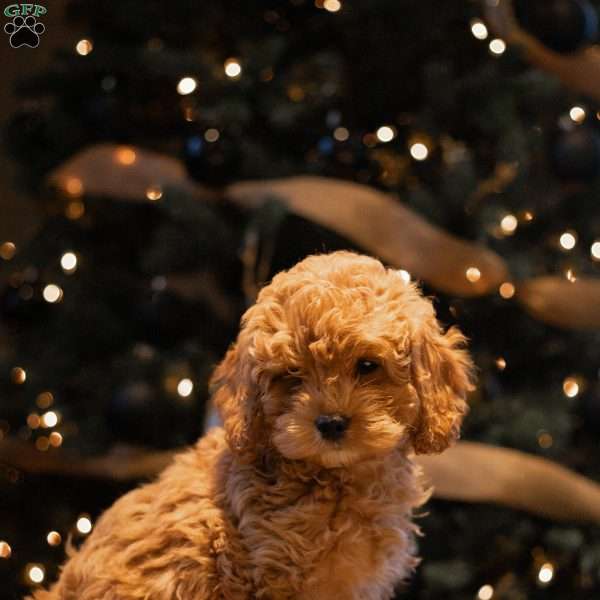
{"points": [[442, 374], [236, 396]]}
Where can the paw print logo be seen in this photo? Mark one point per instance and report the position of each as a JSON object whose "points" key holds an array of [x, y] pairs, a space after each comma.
{"points": [[24, 31]]}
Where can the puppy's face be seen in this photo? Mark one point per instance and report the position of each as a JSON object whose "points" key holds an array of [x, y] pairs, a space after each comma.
{"points": [[338, 361]]}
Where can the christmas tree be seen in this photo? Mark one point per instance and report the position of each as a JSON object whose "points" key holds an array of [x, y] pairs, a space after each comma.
{"points": [[483, 167]]}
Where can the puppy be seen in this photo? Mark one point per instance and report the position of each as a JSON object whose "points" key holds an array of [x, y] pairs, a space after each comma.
{"points": [[339, 375]]}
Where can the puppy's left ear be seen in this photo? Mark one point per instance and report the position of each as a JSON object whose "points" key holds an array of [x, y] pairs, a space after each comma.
{"points": [[236, 397], [442, 374]]}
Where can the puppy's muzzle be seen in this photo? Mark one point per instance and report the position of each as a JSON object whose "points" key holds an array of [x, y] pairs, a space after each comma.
{"points": [[332, 427]]}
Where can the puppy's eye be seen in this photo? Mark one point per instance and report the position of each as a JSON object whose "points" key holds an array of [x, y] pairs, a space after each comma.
{"points": [[365, 366], [288, 380]]}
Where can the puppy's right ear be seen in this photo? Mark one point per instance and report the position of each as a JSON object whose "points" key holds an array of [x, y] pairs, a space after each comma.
{"points": [[442, 376], [236, 396]]}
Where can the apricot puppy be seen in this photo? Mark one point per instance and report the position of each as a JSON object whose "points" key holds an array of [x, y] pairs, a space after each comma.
{"points": [[339, 375]]}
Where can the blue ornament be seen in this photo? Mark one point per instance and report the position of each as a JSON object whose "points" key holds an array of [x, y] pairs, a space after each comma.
{"points": [[326, 145], [194, 145]]}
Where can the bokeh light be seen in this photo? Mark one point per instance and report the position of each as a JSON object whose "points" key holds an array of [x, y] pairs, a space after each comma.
{"points": [[233, 68], [186, 86], [84, 47], [185, 387], [52, 293], [84, 524], [497, 47]]}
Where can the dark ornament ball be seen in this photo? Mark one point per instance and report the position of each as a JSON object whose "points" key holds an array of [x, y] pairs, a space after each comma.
{"points": [[25, 129], [575, 154], [132, 414], [562, 25], [591, 411], [164, 319], [213, 163], [12, 304], [22, 305], [140, 413]]}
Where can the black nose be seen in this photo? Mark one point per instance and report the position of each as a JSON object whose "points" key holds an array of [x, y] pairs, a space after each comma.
{"points": [[332, 427]]}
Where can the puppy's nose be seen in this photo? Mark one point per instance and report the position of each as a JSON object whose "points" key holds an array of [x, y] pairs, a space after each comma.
{"points": [[332, 427]]}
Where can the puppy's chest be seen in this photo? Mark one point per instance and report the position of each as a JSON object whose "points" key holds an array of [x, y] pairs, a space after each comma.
{"points": [[338, 534]]}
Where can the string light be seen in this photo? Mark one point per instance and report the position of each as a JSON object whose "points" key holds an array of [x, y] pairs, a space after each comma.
{"points": [[568, 240], [232, 67], [473, 274], [5, 549], [212, 135], [159, 283], [53, 538], [68, 262], [186, 86], [52, 293], [55, 439], [267, 74], [595, 250], [570, 387], [42, 443], [332, 6], [7, 250], [45, 399], [509, 224], [108, 83], [33, 421], [49, 419], [486, 592], [26, 292], [75, 210], [341, 134], [497, 46], [295, 93], [18, 375], [125, 156], [545, 440], [500, 363], [528, 216], [189, 114], [185, 387], [478, 29], [385, 133], [84, 525], [35, 573], [577, 114], [419, 151], [154, 193], [74, 186], [84, 47], [370, 140], [546, 573]]}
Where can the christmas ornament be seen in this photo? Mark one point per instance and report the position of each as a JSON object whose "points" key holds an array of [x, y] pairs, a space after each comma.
{"points": [[164, 319], [575, 154], [579, 71], [131, 413], [591, 410], [212, 157], [21, 304], [562, 25]]}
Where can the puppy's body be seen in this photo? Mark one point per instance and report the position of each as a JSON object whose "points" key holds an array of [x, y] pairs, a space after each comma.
{"points": [[290, 534], [339, 374]]}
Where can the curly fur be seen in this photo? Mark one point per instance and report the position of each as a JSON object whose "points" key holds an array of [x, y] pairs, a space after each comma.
{"points": [[267, 509]]}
